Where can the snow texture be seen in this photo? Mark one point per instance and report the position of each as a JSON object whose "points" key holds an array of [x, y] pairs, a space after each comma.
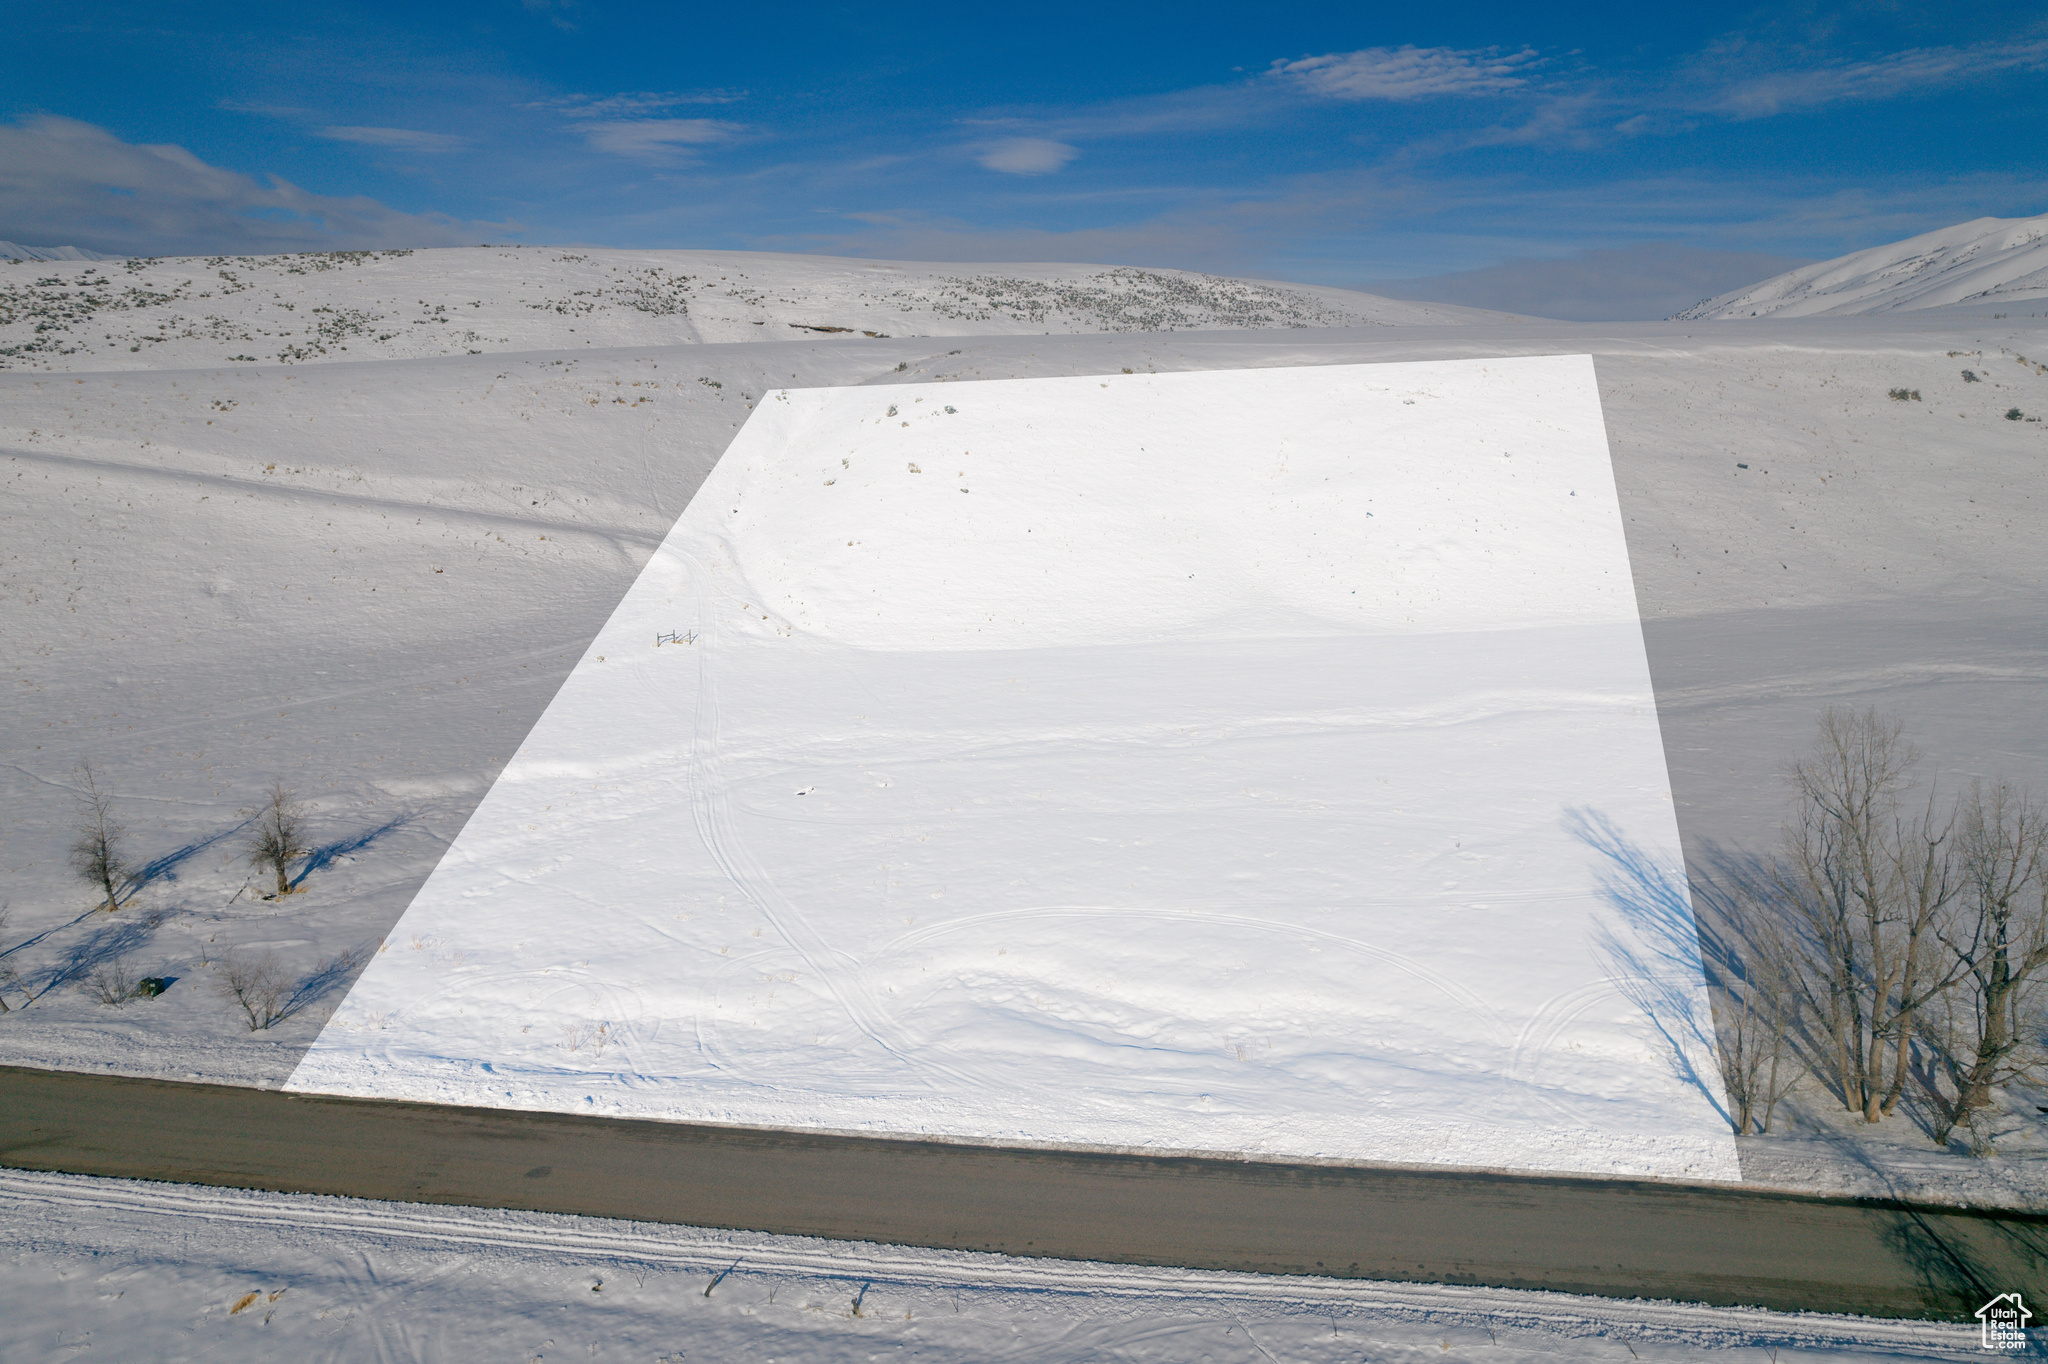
{"points": [[1977, 265], [138, 1271], [1259, 762]]}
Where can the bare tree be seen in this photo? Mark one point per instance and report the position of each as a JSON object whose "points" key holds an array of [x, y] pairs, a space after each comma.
{"points": [[1757, 1003], [1865, 885], [113, 982], [279, 838], [1999, 936], [257, 987], [267, 994], [95, 850]]}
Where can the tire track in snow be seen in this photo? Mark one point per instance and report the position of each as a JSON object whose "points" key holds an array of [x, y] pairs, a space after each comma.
{"points": [[618, 535], [1539, 1035], [711, 805]]}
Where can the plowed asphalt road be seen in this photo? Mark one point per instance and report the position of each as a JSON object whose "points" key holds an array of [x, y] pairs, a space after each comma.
{"points": [[1616, 1238]]}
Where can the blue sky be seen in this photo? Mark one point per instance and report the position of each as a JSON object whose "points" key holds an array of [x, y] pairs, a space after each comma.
{"points": [[1644, 150]]}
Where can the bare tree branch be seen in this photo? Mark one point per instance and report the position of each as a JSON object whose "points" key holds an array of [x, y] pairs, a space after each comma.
{"points": [[113, 982], [95, 850], [1865, 886], [267, 995], [1999, 937], [1757, 998], [257, 986], [279, 837]]}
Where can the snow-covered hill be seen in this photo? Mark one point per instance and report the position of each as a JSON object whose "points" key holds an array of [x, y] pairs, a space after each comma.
{"points": [[377, 305], [15, 251], [1979, 264]]}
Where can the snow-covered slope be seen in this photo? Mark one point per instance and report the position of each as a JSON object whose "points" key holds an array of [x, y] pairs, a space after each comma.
{"points": [[1983, 262], [15, 251], [375, 305]]}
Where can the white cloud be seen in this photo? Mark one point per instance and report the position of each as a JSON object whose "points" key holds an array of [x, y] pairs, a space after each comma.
{"points": [[633, 104], [656, 139], [66, 181], [406, 138], [1402, 73], [1026, 155], [1894, 74], [626, 124]]}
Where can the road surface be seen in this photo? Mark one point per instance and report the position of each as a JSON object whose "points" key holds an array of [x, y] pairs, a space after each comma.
{"points": [[1610, 1237]]}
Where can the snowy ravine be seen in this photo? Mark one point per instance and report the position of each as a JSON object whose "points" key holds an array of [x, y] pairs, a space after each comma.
{"points": [[135, 1271]]}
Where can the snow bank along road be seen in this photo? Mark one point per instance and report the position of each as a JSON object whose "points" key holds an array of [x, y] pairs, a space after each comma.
{"points": [[1617, 1238], [137, 1271]]}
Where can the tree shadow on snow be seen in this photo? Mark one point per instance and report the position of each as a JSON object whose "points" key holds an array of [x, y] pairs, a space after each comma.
{"points": [[310, 988], [1962, 1262], [106, 944], [47, 933], [165, 866], [327, 854], [1656, 965]]}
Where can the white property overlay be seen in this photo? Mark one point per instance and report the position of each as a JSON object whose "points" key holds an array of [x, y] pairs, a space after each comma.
{"points": [[1260, 761]]}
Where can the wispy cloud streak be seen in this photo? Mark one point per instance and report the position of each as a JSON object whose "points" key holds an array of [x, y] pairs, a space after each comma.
{"points": [[627, 125], [409, 139], [657, 139], [1405, 73], [1898, 73]]}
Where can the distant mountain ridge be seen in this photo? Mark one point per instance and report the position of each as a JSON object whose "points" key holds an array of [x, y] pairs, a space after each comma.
{"points": [[16, 251], [1978, 264], [306, 307]]}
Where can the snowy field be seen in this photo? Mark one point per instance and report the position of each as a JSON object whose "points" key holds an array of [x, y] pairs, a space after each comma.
{"points": [[371, 577], [1229, 761], [135, 1271]]}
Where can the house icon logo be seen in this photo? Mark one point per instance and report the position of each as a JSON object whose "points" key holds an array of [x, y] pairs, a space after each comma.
{"points": [[2005, 1320]]}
